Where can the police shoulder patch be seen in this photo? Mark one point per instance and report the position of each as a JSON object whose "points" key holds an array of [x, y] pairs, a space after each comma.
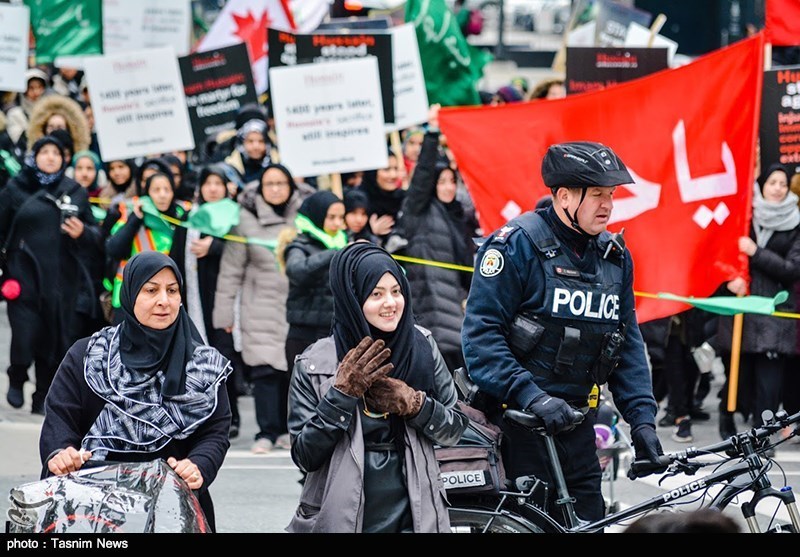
{"points": [[502, 235], [492, 263]]}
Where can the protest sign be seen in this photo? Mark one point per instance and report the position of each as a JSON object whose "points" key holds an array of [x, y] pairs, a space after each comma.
{"points": [[590, 69], [639, 35], [146, 24], [139, 104], [216, 84], [326, 47], [779, 133], [329, 117], [410, 95], [612, 22], [15, 23]]}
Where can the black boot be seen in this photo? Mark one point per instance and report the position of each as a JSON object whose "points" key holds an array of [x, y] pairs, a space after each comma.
{"points": [[727, 427]]}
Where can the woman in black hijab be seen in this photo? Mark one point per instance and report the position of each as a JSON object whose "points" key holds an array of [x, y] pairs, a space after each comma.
{"points": [[145, 389], [367, 443]]}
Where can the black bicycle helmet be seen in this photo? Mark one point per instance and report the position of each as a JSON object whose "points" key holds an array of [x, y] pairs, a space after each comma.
{"points": [[583, 164]]}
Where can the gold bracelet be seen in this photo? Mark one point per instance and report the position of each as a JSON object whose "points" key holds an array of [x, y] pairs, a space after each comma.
{"points": [[369, 414]]}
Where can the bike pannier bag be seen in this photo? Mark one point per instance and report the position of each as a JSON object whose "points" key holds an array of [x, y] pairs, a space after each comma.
{"points": [[474, 464]]}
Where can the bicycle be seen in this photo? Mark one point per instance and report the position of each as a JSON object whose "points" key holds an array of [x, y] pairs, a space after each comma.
{"points": [[742, 465]]}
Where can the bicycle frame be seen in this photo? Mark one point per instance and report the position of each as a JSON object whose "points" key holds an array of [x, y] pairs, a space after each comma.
{"points": [[731, 476]]}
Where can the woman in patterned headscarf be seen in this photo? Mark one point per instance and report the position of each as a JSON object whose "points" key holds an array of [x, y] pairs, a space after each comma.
{"points": [[145, 389]]}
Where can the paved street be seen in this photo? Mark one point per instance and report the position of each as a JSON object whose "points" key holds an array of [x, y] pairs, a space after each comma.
{"points": [[258, 493]]}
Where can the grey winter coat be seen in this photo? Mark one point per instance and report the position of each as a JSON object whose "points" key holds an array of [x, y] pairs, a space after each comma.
{"points": [[327, 443], [254, 269]]}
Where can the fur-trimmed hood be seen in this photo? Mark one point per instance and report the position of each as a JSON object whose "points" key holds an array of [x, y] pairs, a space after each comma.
{"points": [[71, 110]]}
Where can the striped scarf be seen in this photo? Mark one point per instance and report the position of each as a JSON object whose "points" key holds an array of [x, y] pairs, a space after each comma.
{"points": [[137, 418]]}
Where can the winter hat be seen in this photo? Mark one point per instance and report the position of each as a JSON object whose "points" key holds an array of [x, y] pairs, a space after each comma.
{"points": [[509, 94]]}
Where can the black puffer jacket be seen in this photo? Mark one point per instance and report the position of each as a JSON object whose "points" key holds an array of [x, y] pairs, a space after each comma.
{"points": [[773, 268], [434, 234], [310, 301]]}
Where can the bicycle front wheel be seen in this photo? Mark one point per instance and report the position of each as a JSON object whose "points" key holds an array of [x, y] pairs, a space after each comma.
{"points": [[480, 520]]}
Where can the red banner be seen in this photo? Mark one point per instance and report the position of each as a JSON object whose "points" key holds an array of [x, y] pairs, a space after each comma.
{"points": [[686, 134], [782, 22]]}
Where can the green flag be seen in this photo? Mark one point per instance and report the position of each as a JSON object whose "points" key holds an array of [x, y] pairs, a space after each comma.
{"points": [[451, 65], [66, 28], [731, 305], [152, 217], [215, 218]]}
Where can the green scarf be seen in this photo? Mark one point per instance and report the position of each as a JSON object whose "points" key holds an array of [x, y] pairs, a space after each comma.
{"points": [[305, 225]]}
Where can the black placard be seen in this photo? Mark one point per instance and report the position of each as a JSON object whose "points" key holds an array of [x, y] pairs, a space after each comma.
{"points": [[216, 84]]}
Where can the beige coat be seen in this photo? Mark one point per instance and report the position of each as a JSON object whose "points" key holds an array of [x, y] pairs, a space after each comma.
{"points": [[254, 269]]}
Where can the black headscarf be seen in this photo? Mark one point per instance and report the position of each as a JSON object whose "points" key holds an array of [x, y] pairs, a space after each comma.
{"points": [[34, 172], [148, 350], [355, 199], [131, 164], [381, 202], [172, 211], [280, 209], [316, 206], [211, 170], [354, 272]]}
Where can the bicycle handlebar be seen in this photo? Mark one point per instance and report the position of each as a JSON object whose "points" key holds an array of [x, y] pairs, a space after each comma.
{"points": [[732, 445], [531, 421]]}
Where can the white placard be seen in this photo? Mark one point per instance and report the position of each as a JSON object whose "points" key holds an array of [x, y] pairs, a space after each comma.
{"points": [[146, 24], [639, 35], [139, 104], [582, 35], [410, 95], [14, 30], [329, 117]]}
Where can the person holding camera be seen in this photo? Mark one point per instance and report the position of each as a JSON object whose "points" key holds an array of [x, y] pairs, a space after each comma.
{"points": [[46, 223], [550, 314]]}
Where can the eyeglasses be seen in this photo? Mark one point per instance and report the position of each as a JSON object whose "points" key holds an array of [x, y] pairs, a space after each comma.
{"points": [[275, 184]]}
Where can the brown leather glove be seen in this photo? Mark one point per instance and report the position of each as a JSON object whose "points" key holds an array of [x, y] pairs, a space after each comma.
{"points": [[388, 394], [361, 366]]}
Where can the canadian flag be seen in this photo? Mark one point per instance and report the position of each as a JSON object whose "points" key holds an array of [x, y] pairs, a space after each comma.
{"points": [[688, 137], [247, 21]]}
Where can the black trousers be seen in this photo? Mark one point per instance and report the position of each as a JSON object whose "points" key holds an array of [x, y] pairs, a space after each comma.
{"points": [[526, 454], [682, 374], [37, 337], [270, 396]]}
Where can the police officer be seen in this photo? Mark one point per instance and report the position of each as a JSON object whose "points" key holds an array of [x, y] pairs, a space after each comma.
{"points": [[550, 313]]}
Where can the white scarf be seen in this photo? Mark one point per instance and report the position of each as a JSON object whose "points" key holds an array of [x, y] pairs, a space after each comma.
{"points": [[771, 216]]}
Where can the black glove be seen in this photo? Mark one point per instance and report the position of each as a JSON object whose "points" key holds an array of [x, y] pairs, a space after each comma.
{"points": [[557, 415], [647, 446]]}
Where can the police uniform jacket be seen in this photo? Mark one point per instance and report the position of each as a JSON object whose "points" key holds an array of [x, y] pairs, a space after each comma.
{"points": [[512, 275]]}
